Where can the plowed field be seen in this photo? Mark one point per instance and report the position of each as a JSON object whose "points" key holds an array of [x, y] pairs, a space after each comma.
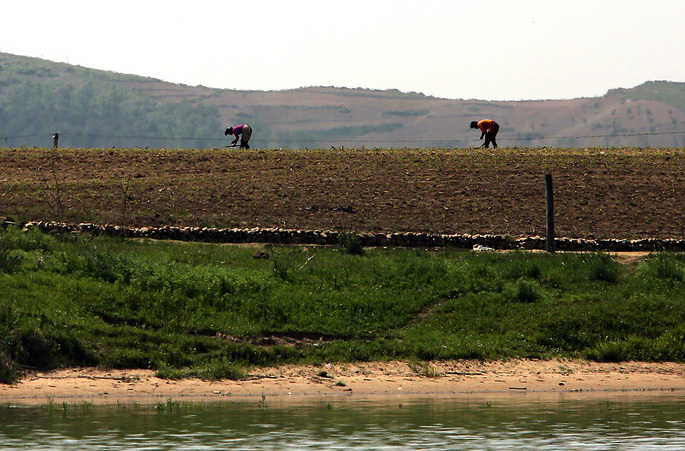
{"points": [[599, 193]]}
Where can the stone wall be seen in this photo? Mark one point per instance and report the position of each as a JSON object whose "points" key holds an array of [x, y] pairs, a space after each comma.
{"points": [[330, 237]]}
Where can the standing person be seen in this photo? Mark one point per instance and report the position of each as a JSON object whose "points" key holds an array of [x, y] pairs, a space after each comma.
{"points": [[489, 129], [244, 131]]}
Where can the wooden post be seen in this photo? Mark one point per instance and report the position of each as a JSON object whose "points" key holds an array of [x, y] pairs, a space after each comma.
{"points": [[55, 139], [550, 212]]}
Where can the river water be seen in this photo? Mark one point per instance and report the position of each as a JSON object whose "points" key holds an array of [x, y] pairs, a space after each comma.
{"points": [[611, 422]]}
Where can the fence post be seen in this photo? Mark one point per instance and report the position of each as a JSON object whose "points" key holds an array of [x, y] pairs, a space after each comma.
{"points": [[550, 212], [55, 139]]}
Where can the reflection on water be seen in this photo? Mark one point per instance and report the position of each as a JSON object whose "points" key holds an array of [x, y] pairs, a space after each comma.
{"points": [[628, 422]]}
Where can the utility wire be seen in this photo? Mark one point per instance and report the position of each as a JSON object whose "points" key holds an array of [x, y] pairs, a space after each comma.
{"points": [[349, 140], [532, 138]]}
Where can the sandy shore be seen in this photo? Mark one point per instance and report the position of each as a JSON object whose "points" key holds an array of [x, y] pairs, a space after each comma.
{"points": [[464, 378]]}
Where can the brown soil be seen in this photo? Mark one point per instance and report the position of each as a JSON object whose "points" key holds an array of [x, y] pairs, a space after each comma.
{"points": [[599, 193]]}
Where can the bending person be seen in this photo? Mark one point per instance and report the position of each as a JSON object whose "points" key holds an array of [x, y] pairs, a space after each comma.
{"points": [[489, 129], [243, 131]]}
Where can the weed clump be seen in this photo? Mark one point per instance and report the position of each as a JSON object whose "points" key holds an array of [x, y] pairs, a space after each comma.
{"points": [[8, 371], [351, 243], [665, 267]]}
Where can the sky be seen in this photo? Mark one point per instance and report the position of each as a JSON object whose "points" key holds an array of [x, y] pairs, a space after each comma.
{"points": [[486, 50]]}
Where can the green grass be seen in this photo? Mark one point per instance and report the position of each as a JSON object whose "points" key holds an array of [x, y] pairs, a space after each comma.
{"points": [[202, 310]]}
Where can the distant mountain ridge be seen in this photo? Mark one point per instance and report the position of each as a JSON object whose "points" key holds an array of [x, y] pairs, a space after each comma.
{"points": [[94, 108]]}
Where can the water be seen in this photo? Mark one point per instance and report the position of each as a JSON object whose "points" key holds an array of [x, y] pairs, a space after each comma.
{"points": [[618, 422]]}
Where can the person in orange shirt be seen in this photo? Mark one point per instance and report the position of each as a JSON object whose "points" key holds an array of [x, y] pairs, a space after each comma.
{"points": [[489, 129]]}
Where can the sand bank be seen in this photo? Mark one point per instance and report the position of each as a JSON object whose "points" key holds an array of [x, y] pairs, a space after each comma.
{"points": [[514, 378]]}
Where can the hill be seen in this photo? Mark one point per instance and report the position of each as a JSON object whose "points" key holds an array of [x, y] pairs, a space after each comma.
{"points": [[93, 108]]}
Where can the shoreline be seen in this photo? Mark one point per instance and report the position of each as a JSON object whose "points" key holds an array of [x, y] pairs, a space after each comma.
{"points": [[464, 378]]}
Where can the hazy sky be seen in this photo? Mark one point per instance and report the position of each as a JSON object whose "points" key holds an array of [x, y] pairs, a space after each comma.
{"points": [[489, 49]]}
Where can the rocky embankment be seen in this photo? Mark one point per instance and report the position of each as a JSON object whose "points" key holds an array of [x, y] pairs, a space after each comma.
{"points": [[331, 237]]}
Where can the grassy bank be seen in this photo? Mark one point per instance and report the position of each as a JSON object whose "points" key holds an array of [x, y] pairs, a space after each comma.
{"points": [[213, 310]]}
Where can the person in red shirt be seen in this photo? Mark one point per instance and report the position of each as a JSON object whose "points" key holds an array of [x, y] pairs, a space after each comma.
{"points": [[244, 130], [489, 129]]}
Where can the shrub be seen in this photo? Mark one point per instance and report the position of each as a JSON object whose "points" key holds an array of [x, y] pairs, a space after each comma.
{"points": [[212, 371], [34, 350], [664, 266], [9, 260], [522, 291], [221, 369], [351, 243], [124, 359], [612, 351], [603, 268], [8, 372]]}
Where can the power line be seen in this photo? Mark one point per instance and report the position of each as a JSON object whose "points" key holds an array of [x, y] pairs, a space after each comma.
{"points": [[337, 140], [167, 138], [37, 135], [611, 135], [532, 138]]}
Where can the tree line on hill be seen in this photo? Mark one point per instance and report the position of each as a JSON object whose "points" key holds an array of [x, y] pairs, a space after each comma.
{"points": [[96, 115], [98, 109]]}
